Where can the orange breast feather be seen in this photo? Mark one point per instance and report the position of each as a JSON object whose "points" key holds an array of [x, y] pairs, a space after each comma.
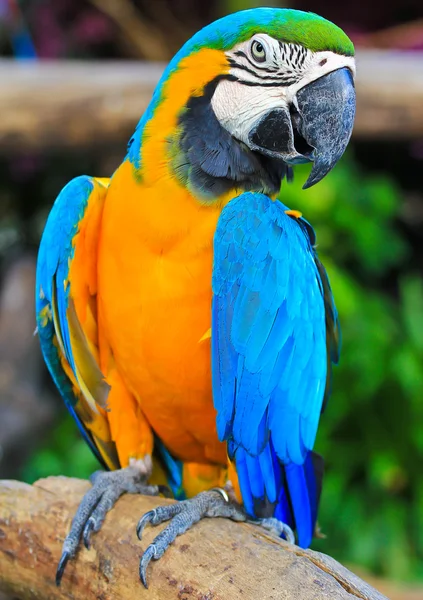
{"points": [[154, 290]]}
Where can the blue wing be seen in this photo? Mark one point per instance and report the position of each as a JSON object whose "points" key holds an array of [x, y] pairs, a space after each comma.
{"points": [[63, 343], [272, 307]]}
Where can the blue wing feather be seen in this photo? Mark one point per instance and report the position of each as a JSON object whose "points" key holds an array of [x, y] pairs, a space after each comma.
{"points": [[271, 315], [55, 250], [52, 305]]}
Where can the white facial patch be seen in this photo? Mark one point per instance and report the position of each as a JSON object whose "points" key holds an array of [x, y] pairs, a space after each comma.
{"points": [[268, 79], [238, 107]]}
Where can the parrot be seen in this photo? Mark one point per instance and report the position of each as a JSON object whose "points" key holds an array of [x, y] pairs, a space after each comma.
{"points": [[182, 309]]}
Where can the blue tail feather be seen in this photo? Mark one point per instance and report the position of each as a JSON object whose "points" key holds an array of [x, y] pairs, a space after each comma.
{"points": [[300, 502], [314, 468], [244, 481], [296, 489]]}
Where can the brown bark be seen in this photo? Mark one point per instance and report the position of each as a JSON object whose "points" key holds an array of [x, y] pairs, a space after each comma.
{"points": [[216, 560], [47, 106]]}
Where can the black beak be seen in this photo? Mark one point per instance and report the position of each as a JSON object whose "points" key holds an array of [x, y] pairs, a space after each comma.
{"points": [[317, 130], [326, 110]]}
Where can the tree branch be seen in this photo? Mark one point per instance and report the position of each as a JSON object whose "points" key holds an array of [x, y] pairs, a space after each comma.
{"points": [[216, 560]]}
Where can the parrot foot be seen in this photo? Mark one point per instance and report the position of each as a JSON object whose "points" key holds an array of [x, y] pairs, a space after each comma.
{"points": [[276, 527], [184, 514], [107, 487]]}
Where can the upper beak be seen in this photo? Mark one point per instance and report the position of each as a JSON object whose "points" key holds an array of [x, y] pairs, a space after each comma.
{"points": [[327, 109], [318, 129]]}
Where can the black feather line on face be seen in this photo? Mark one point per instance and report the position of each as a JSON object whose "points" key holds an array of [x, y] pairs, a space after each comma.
{"points": [[293, 55], [274, 79], [253, 64], [280, 83]]}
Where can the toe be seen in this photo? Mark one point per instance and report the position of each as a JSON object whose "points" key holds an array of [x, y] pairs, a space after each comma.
{"points": [[159, 515], [96, 475], [288, 534], [182, 516], [165, 491], [278, 528], [106, 489]]}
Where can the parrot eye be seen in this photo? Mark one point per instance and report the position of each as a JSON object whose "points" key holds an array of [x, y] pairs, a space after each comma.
{"points": [[258, 52]]}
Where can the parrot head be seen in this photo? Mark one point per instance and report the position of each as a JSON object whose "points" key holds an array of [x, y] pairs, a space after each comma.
{"points": [[259, 90], [290, 90]]}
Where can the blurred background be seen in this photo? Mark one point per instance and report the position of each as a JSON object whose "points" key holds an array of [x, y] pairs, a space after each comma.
{"points": [[62, 120]]}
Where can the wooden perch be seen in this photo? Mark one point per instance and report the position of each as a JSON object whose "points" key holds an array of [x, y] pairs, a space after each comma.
{"points": [[54, 105], [216, 560]]}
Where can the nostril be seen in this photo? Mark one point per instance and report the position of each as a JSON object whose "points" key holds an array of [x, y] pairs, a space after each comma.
{"points": [[323, 62]]}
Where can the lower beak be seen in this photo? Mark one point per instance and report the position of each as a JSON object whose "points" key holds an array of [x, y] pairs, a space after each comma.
{"points": [[317, 130]]}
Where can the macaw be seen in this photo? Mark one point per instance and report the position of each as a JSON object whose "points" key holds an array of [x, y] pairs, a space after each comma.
{"points": [[182, 310]]}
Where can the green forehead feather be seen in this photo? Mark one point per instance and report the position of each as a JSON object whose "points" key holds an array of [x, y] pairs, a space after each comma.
{"points": [[291, 26]]}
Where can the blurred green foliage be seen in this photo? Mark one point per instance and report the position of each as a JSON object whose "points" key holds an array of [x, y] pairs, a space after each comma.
{"points": [[371, 434], [64, 452]]}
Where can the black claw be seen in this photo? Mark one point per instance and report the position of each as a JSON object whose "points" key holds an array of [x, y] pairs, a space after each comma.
{"points": [[147, 518], [165, 491], [145, 561], [61, 567], [89, 527]]}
